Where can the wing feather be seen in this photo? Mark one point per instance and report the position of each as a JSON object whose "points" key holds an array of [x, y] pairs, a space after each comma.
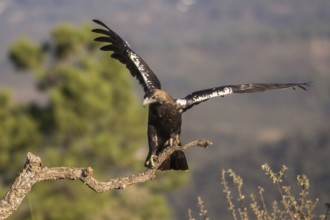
{"points": [[122, 52], [104, 39], [204, 95]]}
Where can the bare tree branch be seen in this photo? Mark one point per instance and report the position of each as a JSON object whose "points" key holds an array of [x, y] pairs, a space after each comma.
{"points": [[33, 172]]}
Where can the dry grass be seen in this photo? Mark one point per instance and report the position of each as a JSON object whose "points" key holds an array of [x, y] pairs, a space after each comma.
{"points": [[202, 210], [289, 205]]}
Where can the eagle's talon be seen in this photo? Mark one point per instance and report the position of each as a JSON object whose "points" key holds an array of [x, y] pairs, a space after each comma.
{"points": [[169, 142], [151, 162], [153, 159]]}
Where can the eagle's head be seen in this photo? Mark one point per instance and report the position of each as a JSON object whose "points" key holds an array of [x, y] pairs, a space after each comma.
{"points": [[157, 96]]}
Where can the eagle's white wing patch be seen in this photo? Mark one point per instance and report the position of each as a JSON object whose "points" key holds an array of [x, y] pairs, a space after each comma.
{"points": [[203, 95], [215, 93], [142, 68], [181, 102]]}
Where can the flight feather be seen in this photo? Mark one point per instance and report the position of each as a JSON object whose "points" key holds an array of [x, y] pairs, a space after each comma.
{"points": [[204, 95], [122, 52]]}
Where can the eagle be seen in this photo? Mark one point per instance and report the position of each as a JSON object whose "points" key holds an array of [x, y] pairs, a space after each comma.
{"points": [[165, 112]]}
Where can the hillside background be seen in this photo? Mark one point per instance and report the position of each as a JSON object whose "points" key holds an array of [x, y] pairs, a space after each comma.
{"points": [[193, 45]]}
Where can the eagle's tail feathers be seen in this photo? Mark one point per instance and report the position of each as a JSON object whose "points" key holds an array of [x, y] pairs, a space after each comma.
{"points": [[177, 161]]}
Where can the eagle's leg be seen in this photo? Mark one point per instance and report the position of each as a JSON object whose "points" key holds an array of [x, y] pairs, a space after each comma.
{"points": [[153, 147], [151, 159]]}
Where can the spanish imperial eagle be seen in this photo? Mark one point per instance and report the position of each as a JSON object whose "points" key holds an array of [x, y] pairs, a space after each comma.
{"points": [[165, 112]]}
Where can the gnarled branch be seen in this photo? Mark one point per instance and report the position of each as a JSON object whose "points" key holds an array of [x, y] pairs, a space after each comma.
{"points": [[33, 172]]}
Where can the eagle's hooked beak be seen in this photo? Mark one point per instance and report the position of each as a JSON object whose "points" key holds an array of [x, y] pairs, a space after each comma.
{"points": [[148, 101]]}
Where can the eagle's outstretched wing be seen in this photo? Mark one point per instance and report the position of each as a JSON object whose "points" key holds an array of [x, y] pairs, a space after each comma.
{"points": [[204, 95], [122, 52]]}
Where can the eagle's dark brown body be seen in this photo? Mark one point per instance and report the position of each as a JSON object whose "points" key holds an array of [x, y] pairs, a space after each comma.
{"points": [[164, 129]]}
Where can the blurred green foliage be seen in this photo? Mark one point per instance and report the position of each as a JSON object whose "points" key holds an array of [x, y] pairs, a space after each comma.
{"points": [[91, 118], [25, 54]]}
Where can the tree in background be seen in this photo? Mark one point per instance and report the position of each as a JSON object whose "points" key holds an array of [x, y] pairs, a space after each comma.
{"points": [[91, 118]]}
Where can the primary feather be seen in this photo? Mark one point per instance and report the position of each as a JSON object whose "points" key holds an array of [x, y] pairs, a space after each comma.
{"points": [[122, 52]]}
